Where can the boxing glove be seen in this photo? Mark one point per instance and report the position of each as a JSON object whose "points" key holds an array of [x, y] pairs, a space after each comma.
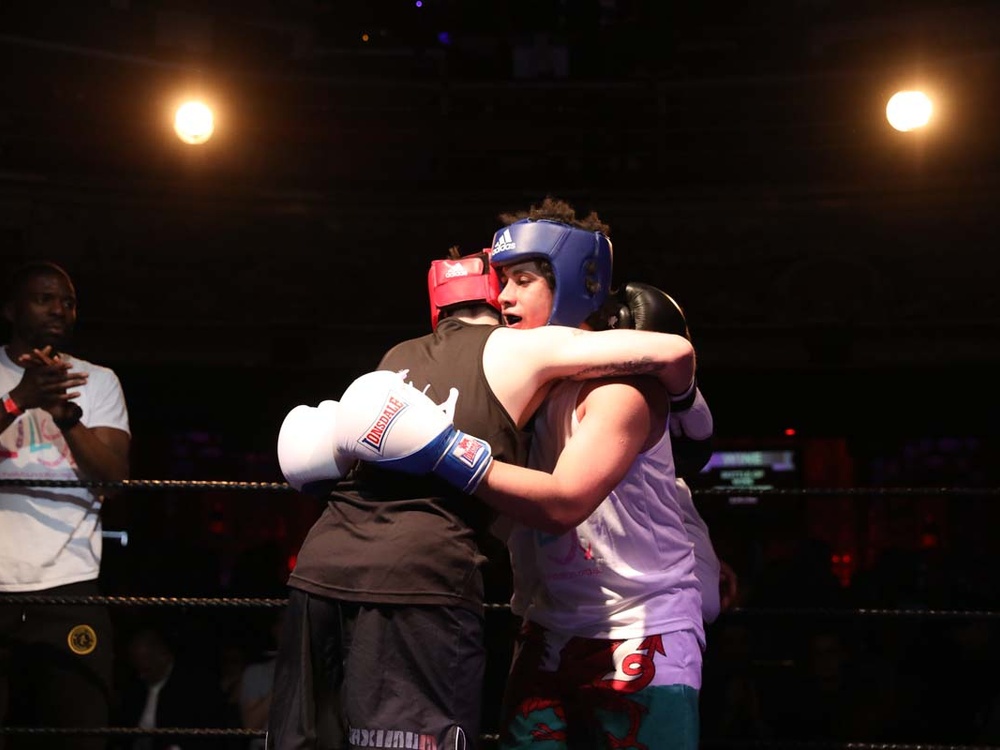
{"points": [[386, 421], [691, 429], [647, 308], [307, 449]]}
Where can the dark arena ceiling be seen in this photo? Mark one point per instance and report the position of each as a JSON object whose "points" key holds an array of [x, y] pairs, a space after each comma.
{"points": [[739, 152]]}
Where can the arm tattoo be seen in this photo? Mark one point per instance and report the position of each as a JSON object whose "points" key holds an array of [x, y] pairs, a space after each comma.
{"points": [[619, 369]]}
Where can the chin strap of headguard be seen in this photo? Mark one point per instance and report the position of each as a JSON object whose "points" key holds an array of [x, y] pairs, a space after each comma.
{"points": [[462, 281]]}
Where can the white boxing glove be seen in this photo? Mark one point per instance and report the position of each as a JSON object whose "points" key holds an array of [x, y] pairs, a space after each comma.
{"points": [[307, 451], [691, 429], [386, 421], [690, 416]]}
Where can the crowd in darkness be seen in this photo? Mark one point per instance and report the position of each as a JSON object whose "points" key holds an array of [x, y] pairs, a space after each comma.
{"points": [[789, 664], [784, 666], [220, 670]]}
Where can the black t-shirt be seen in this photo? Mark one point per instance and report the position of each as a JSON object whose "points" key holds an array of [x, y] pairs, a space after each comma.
{"points": [[402, 539]]}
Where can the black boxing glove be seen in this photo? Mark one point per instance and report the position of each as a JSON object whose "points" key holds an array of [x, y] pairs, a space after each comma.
{"points": [[646, 308]]}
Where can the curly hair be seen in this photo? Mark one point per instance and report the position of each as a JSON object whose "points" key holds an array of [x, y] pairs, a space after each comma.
{"points": [[556, 209]]}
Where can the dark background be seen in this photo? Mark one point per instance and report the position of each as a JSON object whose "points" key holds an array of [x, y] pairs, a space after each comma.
{"points": [[839, 276], [837, 273]]}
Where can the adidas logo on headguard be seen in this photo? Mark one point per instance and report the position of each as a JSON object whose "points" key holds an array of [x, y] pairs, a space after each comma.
{"points": [[454, 269], [504, 242]]}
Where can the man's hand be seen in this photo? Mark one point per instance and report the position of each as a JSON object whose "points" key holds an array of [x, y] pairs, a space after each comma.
{"points": [[101, 453], [47, 384]]}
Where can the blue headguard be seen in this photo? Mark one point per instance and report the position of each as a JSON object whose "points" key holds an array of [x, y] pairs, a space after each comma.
{"points": [[580, 259]]}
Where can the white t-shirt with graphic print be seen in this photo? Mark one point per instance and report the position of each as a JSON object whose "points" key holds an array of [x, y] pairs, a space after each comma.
{"points": [[51, 536]]}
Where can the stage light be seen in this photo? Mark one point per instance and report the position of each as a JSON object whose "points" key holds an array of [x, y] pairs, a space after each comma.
{"points": [[908, 110], [194, 122]]}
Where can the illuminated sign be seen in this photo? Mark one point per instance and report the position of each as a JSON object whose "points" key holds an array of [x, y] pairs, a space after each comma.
{"points": [[750, 470]]}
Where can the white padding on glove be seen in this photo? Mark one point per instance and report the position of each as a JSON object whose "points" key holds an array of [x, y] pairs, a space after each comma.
{"points": [[307, 446], [694, 422]]}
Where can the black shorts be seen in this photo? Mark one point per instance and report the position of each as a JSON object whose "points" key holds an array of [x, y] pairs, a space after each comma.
{"points": [[56, 665], [381, 676]]}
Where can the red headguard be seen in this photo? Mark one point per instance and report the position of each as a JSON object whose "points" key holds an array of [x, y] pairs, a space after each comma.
{"points": [[462, 281]]}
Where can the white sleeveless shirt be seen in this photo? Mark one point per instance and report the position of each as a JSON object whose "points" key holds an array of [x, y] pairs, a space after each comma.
{"points": [[629, 569]]}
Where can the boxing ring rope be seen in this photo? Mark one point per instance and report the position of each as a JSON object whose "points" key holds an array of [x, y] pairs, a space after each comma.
{"points": [[194, 484], [265, 603], [261, 602], [253, 733]]}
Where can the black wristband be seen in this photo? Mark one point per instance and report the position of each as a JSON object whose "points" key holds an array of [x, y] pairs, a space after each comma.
{"points": [[72, 420], [684, 401]]}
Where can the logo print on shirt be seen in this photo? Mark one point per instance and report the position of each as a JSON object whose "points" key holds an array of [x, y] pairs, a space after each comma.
{"points": [[36, 433], [574, 546]]}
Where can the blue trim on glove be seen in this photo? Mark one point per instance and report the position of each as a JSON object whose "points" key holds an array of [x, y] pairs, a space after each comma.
{"points": [[465, 461], [458, 458]]}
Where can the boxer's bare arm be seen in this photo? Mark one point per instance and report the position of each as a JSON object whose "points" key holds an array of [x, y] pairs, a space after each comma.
{"points": [[615, 423], [520, 365]]}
